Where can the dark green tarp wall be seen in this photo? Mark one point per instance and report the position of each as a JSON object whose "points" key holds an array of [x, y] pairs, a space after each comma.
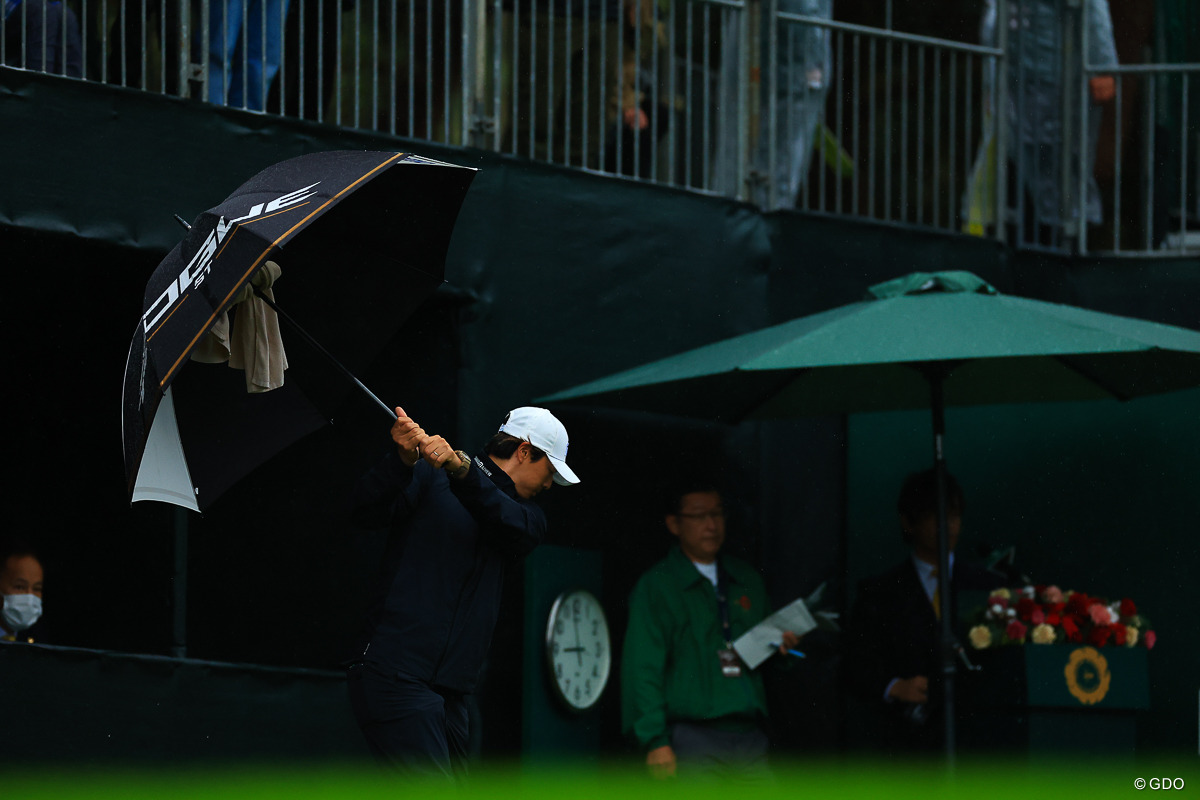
{"points": [[555, 277]]}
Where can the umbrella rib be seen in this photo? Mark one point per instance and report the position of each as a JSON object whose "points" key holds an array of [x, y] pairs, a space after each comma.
{"points": [[178, 306], [237, 286], [786, 377], [1093, 378], [277, 213]]}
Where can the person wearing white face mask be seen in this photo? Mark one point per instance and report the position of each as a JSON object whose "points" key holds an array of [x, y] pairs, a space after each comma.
{"points": [[21, 579]]}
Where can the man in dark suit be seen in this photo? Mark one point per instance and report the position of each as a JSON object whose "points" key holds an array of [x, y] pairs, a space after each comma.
{"points": [[893, 660]]}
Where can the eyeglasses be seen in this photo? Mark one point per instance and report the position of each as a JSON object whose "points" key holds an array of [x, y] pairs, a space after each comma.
{"points": [[703, 516]]}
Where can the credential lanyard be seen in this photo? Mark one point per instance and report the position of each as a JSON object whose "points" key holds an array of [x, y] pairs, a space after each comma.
{"points": [[723, 606]]}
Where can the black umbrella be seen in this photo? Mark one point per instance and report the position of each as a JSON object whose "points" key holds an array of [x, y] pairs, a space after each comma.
{"points": [[360, 240]]}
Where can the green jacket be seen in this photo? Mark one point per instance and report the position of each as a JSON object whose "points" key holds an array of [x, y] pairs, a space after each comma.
{"points": [[669, 667]]}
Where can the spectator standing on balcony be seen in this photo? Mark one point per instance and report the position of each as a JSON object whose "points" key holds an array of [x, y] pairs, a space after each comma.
{"points": [[1042, 110], [638, 102], [244, 52], [802, 71], [794, 86], [46, 24]]}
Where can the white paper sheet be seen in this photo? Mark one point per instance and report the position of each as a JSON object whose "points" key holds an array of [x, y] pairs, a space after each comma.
{"points": [[762, 641]]}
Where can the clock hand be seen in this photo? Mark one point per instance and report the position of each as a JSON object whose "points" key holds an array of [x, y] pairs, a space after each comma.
{"points": [[577, 648]]}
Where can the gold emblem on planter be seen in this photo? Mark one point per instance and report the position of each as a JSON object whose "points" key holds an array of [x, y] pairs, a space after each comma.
{"points": [[1087, 674]]}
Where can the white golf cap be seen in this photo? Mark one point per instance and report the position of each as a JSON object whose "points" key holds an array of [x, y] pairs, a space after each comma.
{"points": [[542, 430]]}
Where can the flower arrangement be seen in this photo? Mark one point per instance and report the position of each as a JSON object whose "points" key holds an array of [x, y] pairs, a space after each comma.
{"points": [[1046, 614]]}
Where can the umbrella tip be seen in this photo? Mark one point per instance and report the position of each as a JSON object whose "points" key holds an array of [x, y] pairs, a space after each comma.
{"points": [[182, 222]]}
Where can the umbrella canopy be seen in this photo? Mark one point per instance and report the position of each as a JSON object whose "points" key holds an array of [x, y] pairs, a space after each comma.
{"points": [[360, 240], [925, 340], [879, 354]]}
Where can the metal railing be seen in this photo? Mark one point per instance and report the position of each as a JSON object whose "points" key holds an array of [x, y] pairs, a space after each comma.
{"points": [[899, 131], [770, 101], [1158, 209]]}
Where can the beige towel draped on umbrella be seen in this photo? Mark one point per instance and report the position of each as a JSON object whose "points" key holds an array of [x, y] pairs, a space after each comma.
{"points": [[254, 343]]}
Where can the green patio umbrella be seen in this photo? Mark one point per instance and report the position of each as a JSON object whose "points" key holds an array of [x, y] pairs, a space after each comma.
{"points": [[926, 340], [882, 353]]}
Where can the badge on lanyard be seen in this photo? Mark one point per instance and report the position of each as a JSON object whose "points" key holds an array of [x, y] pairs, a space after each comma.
{"points": [[731, 666]]}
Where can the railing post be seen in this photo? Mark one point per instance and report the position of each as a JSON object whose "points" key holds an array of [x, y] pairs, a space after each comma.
{"points": [[1000, 114], [768, 70], [1084, 139], [750, 16], [1069, 99], [472, 69], [200, 66], [185, 48]]}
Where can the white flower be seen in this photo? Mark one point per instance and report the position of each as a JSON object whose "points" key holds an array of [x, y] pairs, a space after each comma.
{"points": [[1012, 612], [996, 610], [1028, 591]]}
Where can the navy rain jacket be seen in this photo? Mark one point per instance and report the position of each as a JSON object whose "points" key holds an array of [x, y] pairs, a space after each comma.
{"points": [[434, 604]]}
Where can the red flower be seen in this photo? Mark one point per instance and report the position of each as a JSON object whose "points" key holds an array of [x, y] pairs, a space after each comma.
{"points": [[1016, 631], [1118, 632], [1025, 608], [1078, 604], [1128, 609], [1149, 638], [1100, 635], [744, 602], [1071, 630], [1037, 617], [1053, 618], [1099, 614]]}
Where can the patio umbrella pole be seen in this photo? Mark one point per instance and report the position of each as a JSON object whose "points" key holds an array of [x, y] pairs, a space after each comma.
{"points": [[320, 349], [947, 645]]}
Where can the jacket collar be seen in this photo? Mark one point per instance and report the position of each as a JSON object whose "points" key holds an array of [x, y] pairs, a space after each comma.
{"points": [[686, 573], [491, 469]]}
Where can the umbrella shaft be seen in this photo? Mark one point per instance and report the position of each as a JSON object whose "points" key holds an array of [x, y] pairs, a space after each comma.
{"points": [[317, 345]]}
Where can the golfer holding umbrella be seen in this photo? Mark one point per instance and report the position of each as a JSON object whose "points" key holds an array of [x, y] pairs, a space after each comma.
{"points": [[455, 521]]}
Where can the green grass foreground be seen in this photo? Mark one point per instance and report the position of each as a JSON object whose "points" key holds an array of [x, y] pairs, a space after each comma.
{"points": [[1058, 778]]}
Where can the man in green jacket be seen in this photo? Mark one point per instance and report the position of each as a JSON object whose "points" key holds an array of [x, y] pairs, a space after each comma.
{"points": [[687, 700]]}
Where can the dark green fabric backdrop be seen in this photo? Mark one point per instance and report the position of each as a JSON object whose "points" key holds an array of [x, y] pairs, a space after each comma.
{"points": [[555, 277]]}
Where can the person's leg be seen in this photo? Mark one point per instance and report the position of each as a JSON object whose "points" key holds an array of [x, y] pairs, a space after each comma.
{"points": [[224, 26], [704, 752], [403, 721], [458, 737], [262, 65], [256, 16]]}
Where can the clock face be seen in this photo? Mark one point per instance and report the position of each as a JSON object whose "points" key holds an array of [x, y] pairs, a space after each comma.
{"points": [[577, 649]]}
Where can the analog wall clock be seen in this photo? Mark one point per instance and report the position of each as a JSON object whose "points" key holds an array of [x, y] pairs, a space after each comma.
{"points": [[577, 649]]}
